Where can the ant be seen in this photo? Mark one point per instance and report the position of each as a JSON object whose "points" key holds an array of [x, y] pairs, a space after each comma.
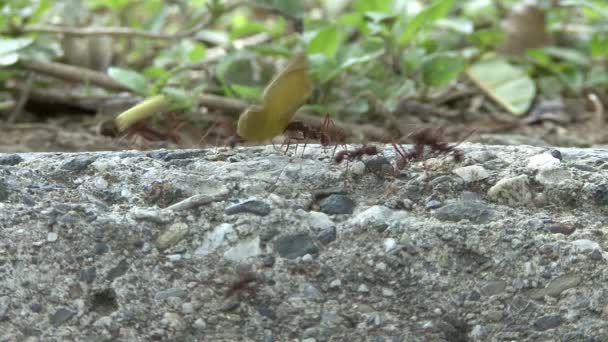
{"points": [[431, 137], [356, 154], [307, 133]]}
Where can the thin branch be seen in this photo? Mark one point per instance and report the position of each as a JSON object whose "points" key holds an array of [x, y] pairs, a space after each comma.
{"points": [[74, 74]]}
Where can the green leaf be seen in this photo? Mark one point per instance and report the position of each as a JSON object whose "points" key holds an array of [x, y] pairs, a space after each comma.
{"points": [[508, 85], [130, 79], [599, 45], [568, 55], [436, 11], [327, 41], [440, 69], [9, 48]]}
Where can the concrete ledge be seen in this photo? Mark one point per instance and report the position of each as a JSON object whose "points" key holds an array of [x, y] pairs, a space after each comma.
{"points": [[253, 244]]}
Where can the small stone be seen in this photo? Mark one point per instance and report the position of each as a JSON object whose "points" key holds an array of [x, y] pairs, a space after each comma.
{"points": [[319, 221], [556, 154], [252, 206], [174, 234], [513, 191], [216, 238], [268, 261], [78, 164], [187, 308], [296, 245], [472, 173], [596, 255], [543, 161], [61, 316], [100, 183], [118, 271], [454, 211], [336, 283], [200, 324], [337, 204], [327, 235], [103, 322], [561, 228], [363, 288], [244, 250], [36, 307], [170, 293], [88, 274], [585, 245], [432, 204], [101, 248], [494, 288], [52, 236], [389, 245], [307, 258], [548, 322], [550, 177]]}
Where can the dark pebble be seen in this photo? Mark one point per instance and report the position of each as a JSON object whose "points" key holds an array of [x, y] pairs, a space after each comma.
{"points": [[268, 261], [337, 204], [118, 270], [293, 246], [548, 322], [560, 228], [36, 307], [474, 211], [320, 194], [78, 163], [101, 248], [267, 312], [327, 235], [557, 154], [61, 316], [600, 195], [252, 206], [10, 160], [596, 255], [379, 166], [88, 274]]}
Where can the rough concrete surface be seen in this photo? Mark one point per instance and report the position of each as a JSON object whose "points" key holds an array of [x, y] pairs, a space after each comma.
{"points": [[253, 244]]}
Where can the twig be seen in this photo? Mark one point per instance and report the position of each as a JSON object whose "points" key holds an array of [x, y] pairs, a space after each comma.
{"points": [[74, 74]]}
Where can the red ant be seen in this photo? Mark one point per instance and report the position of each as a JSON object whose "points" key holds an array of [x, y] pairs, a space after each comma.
{"points": [[307, 133], [356, 154], [431, 137]]}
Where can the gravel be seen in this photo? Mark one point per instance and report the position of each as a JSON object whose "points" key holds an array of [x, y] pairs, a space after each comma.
{"points": [[140, 246]]}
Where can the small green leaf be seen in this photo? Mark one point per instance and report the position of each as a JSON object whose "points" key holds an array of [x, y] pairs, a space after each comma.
{"points": [[441, 69], [327, 41], [130, 79], [599, 45], [508, 85], [436, 11]]}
